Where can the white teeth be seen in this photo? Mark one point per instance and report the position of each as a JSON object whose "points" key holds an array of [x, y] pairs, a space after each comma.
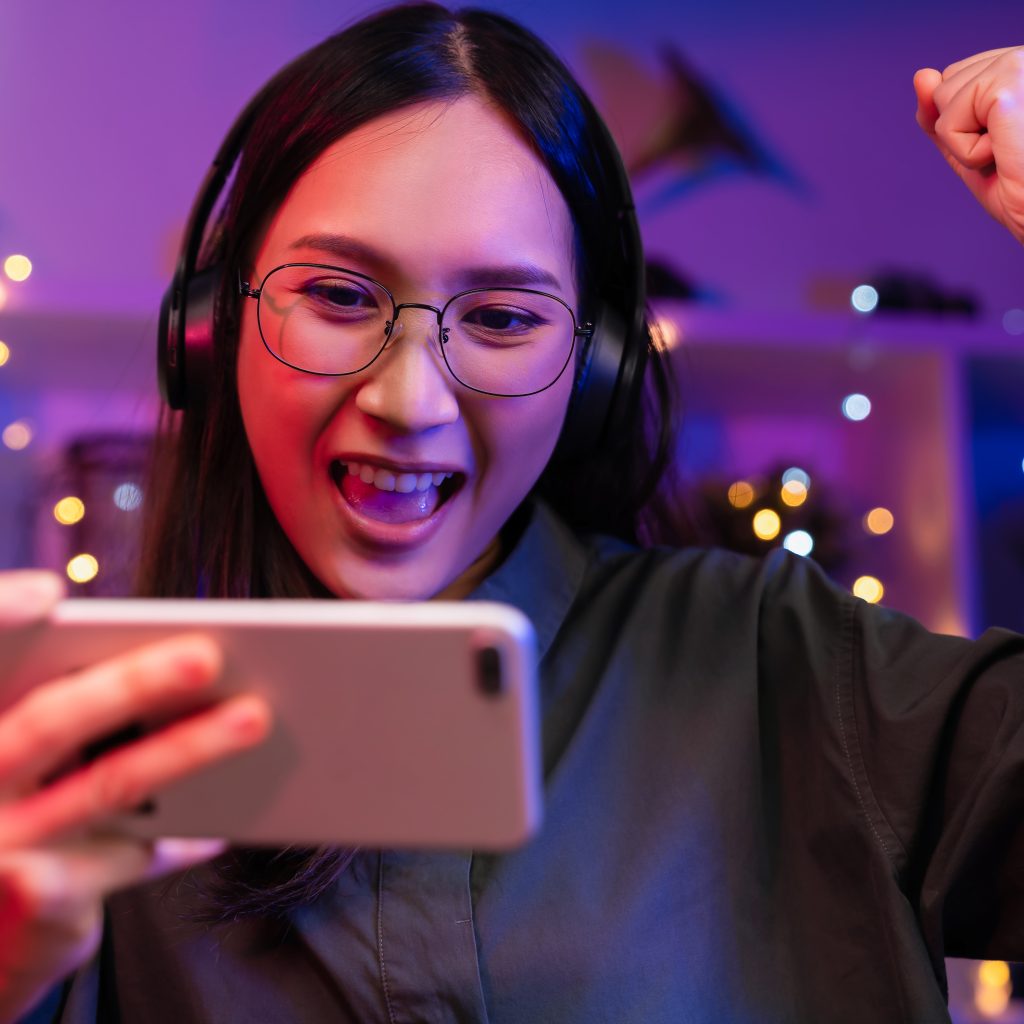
{"points": [[404, 483]]}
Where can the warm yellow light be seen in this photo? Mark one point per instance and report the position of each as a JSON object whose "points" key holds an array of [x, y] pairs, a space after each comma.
{"points": [[794, 493], [3, 295], [878, 521], [17, 435], [18, 267], [69, 510], [741, 494], [991, 1002], [665, 333], [994, 973], [5, 353], [82, 568], [767, 524], [869, 589]]}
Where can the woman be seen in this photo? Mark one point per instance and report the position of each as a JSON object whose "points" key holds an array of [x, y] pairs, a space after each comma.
{"points": [[766, 801]]}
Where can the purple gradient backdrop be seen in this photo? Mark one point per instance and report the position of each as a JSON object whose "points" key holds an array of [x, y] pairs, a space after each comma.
{"points": [[110, 110]]}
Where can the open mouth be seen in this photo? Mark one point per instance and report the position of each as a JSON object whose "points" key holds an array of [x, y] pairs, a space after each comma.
{"points": [[391, 495]]}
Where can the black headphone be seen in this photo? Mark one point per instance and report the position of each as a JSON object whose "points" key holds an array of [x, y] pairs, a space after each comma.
{"points": [[609, 374]]}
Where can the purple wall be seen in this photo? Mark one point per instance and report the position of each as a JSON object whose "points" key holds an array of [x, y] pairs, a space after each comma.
{"points": [[111, 109]]}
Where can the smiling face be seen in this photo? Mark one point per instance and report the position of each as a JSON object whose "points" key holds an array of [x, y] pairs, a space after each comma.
{"points": [[430, 201]]}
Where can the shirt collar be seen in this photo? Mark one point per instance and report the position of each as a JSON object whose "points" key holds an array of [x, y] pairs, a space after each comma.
{"points": [[540, 575]]}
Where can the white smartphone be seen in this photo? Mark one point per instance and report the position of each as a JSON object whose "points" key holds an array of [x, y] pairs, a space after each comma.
{"points": [[395, 725]]}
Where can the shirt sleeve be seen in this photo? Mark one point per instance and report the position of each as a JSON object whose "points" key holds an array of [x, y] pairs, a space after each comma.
{"points": [[934, 728]]}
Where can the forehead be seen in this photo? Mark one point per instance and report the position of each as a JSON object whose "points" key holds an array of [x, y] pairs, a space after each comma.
{"points": [[434, 187]]}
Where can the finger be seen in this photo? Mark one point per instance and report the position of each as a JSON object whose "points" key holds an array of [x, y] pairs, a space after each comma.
{"points": [[963, 124], [121, 780], [986, 55], [58, 881], [55, 721], [926, 81], [27, 595]]}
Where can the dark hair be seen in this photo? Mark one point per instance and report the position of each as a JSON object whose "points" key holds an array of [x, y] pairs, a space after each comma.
{"points": [[210, 529]]}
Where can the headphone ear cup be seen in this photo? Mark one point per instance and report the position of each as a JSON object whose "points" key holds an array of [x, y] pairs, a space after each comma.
{"points": [[185, 339], [595, 391]]}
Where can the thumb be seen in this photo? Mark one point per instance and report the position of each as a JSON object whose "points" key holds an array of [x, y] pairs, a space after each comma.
{"points": [[28, 594]]}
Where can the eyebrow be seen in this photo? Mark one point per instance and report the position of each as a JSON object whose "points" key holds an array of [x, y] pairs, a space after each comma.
{"points": [[509, 275]]}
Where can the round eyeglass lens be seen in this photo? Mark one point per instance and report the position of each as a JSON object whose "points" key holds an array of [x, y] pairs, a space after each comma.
{"points": [[323, 320], [507, 341]]}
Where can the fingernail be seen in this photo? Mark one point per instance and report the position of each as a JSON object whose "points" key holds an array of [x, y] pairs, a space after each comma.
{"points": [[247, 717]]}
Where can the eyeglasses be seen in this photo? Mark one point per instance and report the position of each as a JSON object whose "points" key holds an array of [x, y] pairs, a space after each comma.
{"points": [[509, 342]]}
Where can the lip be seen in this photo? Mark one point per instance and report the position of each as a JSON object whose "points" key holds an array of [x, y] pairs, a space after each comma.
{"points": [[399, 467], [394, 537]]}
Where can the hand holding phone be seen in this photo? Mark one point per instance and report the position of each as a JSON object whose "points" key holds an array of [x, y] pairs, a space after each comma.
{"points": [[55, 867]]}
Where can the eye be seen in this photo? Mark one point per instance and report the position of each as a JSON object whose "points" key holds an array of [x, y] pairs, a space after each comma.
{"points": [[340, 295], [502, 320]]}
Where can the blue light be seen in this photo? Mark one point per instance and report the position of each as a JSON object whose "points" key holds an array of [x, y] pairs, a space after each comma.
{"points": [[127, 497], [796, 475], [864, 298], [800, 542], [856, 407]]}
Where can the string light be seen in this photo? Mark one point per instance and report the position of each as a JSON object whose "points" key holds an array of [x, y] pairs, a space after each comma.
{"points": [[793, 494], [800, 542], [796, 475], [5, 354], [767, 524], [69, 510], [869, 589], [127, 496], [856, 407], [864, 298], [741, 494], [82, 568], [18, 267], [992, 988], [878, 521], [1013, 321], [17, 435]]}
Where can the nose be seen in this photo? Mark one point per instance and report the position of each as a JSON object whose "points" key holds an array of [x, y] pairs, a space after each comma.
{"points": [[408, 386]]}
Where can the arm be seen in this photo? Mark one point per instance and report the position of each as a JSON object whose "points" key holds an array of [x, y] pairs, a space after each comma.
{"points": [[974, 113]]}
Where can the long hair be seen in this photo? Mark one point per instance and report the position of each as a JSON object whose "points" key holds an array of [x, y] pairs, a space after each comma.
{"points": [[209, 527]]}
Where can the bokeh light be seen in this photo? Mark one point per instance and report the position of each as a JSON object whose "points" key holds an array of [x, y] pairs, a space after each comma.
{"points": [[1013, 321], [800, 542], [82, 568], [994, 972], [5, 354], [18, 267], [856, 407], [741, 494], [793, 494], [864, 298], [992, 988], [878, 521], [17, 435], [767, 524], [869, 589], [69, 510], [3, 295], [797, 475], [127, 496], [665, 333]]}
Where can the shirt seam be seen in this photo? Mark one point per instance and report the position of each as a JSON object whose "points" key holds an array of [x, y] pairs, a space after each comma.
{"points": [[380, 943], [845, 670]]}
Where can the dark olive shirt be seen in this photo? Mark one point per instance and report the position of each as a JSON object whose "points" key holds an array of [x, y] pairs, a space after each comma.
{"points": [[766, 801]]}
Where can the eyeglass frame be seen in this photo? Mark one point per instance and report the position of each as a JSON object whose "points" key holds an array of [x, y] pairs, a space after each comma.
{"points": [[584, 330]]}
